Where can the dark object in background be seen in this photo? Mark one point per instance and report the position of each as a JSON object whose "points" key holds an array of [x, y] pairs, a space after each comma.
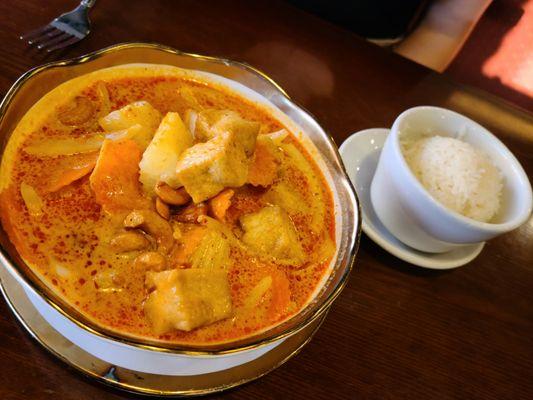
{"points": [[388, 20]]}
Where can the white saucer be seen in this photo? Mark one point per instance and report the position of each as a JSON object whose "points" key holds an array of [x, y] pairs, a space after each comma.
{"points": [[360, 153]]}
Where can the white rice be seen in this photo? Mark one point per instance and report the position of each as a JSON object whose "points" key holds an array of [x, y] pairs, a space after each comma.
{"points": [[457, 175]]}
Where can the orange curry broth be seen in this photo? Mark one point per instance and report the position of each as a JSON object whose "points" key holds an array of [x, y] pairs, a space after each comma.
{"points": [[67, 245]]}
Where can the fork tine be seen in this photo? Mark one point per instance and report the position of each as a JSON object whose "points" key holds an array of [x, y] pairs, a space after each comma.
{"points": [[56, 40], [64, 44], [37, 32], [63, 31], [45, 37]]}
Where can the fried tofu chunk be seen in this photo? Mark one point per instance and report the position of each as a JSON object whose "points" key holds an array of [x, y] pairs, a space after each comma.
{"points": [[207, 168], [270, 231], [223, 157], [186, 299], [211, 123], [203, 122]]}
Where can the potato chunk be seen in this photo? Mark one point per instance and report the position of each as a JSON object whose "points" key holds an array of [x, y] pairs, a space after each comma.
{"points": [[271, 231], [141, 113], [161, 156], [186, 299], [207, 168]]}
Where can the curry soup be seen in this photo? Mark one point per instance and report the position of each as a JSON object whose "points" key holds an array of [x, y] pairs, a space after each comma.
{"points": [[166, 208]]}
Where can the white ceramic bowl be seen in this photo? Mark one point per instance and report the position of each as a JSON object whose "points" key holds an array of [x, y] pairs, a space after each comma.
{"points": [[138, 359], [413, 216], [187, 360]]}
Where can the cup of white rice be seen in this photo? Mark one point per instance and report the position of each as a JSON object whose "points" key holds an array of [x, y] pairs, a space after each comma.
{"points": [[443, 181]]}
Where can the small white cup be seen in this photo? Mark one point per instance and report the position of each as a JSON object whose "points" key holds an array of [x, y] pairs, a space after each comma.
{"points": [[411, 214]]}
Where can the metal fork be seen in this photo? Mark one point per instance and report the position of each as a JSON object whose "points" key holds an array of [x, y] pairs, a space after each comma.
{"points": [[65, 30]]}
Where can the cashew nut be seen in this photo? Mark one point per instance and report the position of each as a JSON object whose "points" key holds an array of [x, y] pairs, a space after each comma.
{"points": [[153, 224], [77, 112], [191, 213], [150, 260], [129, 241], [162, 208], [175, 197], [109, 280]]}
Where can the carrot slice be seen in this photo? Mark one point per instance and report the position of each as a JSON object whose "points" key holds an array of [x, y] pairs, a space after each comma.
{"points": [[219, 204], [70, 170], [190, 239], [115, 179], [264, 168], [191, 213], [281, 294]]}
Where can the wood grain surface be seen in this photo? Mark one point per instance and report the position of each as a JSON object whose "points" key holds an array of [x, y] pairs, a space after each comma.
{"points": [[397, 331]]}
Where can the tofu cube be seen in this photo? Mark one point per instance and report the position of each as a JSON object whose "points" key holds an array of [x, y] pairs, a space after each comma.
{"points": [[270, 231], [207, 168], [186, 299], [211, 123]]}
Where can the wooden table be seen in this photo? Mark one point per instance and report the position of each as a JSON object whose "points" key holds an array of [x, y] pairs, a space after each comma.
{"points": [[397, 331]]}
